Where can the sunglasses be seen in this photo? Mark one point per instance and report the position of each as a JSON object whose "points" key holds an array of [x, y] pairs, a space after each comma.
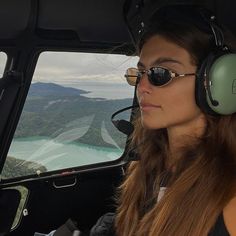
{"points": [[157, 76]]}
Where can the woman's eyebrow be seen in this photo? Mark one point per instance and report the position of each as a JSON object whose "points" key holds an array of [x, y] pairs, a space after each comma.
{"points": [[160, 61], [166, 59]]}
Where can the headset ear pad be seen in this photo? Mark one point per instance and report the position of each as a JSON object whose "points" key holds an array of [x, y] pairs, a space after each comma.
{"points": [[220, 95], [200, 85]]}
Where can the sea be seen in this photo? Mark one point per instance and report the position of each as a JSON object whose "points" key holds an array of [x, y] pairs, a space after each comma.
{"points": [[108, 90], [56, 155]]}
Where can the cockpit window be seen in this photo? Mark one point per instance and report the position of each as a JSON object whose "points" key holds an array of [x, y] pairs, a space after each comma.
{"points": [[3, 60], [66, 118]]}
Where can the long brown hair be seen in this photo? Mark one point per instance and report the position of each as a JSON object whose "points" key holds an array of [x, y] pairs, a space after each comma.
{"points": [[204, 178]]}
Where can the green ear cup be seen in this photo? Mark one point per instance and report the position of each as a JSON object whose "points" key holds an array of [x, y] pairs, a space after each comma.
{"points": [[222, 84]]}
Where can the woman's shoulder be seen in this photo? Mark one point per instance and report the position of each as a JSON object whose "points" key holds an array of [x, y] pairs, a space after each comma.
{"points": [[104, 226], [229, 214]]}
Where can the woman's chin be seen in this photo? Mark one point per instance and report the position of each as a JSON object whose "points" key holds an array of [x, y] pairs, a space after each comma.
{"points": [[151, 124]]}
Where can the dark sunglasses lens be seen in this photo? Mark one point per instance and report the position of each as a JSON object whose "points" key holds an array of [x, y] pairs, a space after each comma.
{"points": [[159, 76], [131, 76]]}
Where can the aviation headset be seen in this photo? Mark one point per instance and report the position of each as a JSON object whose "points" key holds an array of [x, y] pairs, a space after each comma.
{"points": [[215, 90], [215, 84]]}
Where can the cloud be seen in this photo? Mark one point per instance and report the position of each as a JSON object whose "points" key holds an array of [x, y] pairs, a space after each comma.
{"points": [[80, 70], [71, 66]]}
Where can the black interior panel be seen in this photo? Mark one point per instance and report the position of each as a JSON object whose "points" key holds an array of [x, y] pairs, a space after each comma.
{"points": [[9, 202], [49, 206], [30, 26]]}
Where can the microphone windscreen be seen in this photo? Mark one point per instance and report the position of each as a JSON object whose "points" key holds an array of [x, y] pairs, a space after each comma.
{"points": [[125, 127]]}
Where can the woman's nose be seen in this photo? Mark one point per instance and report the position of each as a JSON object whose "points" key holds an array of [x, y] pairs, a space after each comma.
{"points": [[144, 85]]}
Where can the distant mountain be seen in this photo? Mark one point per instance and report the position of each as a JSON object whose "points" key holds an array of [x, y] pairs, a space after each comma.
{"points": [[62, 114], [51, 89], [51, 110]]}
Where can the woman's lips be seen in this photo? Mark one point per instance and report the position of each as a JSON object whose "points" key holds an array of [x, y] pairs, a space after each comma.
{"points": [[148, 106]]}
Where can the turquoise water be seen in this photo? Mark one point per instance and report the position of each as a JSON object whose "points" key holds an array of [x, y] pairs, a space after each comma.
{"points": [[55, 155]]}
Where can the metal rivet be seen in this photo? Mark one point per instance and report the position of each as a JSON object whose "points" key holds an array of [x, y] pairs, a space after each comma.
{"points": [[142, 24], [213, 17], [25, 212]]}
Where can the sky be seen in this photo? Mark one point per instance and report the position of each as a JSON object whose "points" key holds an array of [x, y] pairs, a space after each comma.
{"points": [[83, 71], [70, 67]]}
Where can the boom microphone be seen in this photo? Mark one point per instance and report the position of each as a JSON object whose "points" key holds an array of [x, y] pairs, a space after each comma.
{"points": [[124, 126]]}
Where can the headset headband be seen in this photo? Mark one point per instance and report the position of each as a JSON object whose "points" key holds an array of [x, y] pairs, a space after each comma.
{"points": [[140, 19], [201, 18]]}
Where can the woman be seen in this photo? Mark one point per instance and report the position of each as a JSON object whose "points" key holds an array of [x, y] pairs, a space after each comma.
{"points": [[182, 148], [185, 181]]}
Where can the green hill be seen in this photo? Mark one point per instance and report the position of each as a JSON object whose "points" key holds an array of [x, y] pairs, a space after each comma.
{"points": [[52, 109], [14, 167]]}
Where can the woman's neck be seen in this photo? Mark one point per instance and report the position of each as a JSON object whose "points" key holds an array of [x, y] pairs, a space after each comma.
{"points": [[183, 136]]}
